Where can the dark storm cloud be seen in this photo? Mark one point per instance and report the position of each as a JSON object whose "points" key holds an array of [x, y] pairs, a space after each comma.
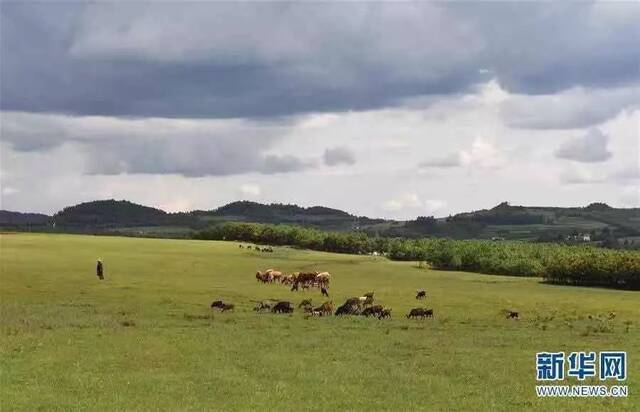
{"points": [[544, 48], [576, 108], [261, 60]]}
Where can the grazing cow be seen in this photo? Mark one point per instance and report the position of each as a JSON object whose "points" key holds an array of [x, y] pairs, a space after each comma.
{"points": [[386, 313], [306, 277], [366, 300], [326, 308], [512, 314], [263, 277], [240, 246], [275, 276], [345, 310], [420, 313], [324, 291], [249, 247], [305, 302], [312, 279], [375, 310], [268, 276], [353, 302], [227, 306], [322, 279], [421, 294], [217, 304], [264, 305], [282, 307], [350, 307]]}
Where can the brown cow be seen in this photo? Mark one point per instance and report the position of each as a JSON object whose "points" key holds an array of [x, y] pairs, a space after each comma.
{"points": [[326, 308], [322, 279], [275, 275]]}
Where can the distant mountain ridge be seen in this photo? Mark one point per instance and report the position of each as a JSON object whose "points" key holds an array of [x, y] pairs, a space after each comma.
{"points": [[248, 208], [597, 220], [10, 218]]}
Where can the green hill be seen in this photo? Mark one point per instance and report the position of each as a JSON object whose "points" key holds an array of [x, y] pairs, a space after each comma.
{"points": [[109, 213], [9, 218], [597, 222]]}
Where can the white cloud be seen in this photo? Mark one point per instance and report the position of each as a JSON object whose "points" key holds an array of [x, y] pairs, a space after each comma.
{"points": [[411, 204], [483, 154], [250, 191], [629, 173], [434, 206], [407, 201], [384, 182], [8, 191], [630, 197], [450, 160], [577, 174]]}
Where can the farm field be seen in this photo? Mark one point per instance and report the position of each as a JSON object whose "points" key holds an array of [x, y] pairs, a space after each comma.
{"points": [[146, 339]]}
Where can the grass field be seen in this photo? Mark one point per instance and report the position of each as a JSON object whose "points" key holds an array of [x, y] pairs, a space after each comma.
{"points": [[146, 339]]}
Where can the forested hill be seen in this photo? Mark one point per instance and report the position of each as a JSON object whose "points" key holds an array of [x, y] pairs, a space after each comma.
{"points": [[10, 218], [597, 222], [319, 216], [253, 209], [110, 213]]}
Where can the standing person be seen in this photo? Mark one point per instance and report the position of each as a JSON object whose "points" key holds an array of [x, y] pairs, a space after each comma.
{"points": [[100, 270]]}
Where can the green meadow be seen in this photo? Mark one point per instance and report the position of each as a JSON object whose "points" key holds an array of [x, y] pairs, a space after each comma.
{"points": [[146, 339]]}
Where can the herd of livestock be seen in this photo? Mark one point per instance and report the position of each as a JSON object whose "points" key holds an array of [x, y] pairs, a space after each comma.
{"points": [[356, 306]]}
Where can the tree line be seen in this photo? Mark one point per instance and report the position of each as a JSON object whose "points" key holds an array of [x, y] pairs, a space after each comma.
{"points": [[555, 263]]}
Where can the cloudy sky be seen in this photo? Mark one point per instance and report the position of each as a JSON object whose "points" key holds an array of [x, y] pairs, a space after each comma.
{"points": [[381, 109]]}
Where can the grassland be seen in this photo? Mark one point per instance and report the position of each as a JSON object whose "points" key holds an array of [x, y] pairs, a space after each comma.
{"points": [[145, 339]]}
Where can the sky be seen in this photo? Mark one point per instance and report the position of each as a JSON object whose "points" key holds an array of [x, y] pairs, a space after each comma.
{"points": [[383, 109]]}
